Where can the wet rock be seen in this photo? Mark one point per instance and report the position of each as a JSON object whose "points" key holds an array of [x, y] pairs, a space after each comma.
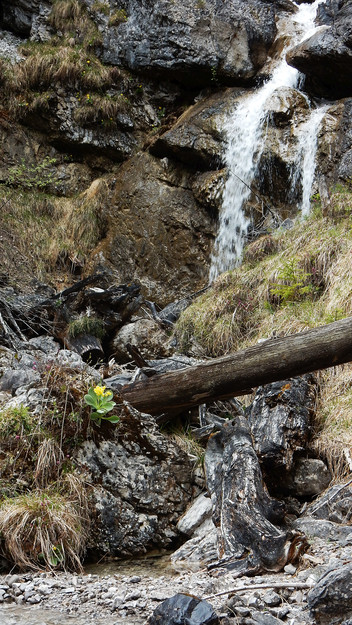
{"points": [[330, 600], [325, 57], [184, 609], [196, 43], [142, 484]]}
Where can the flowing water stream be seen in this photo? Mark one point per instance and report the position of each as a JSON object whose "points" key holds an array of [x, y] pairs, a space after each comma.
{"points": [[245, 130]]}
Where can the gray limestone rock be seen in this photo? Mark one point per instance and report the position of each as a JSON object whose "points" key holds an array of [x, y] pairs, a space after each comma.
{"points": [[142, 484], [309, 476], [192, 42]]}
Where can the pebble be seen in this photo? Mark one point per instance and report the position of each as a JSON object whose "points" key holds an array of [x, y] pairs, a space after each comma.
{"points": [[116, 599]]}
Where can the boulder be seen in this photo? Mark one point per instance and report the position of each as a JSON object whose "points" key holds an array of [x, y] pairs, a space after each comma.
{"points": [[184, 610], [309, 476], [142, 483], [334, 505], [145, 334], [201, 549], [326, 57], [192, 42], [197, 139], [330, 601]]}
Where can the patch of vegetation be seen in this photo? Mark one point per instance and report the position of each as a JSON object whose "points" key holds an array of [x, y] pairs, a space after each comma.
{"points": [[86, 325], [33, 175], [290, 281], [44, 518], [119, 17], [16, 422], [43, 234]]}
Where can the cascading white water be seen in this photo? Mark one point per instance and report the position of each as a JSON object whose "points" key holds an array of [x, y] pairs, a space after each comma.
{"points": [[245, 142], [306, 153]]}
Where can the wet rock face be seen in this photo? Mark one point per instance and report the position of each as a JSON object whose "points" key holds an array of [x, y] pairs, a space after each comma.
{"points": [[192, 41], [142, 484], [326, 57], [154, 221]]}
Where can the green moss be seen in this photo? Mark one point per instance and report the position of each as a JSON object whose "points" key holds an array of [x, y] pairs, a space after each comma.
{"points": [[16, 422]]}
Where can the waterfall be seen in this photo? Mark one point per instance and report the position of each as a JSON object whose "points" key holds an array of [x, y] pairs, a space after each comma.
{"points": [[306, 153], [245, 141]]}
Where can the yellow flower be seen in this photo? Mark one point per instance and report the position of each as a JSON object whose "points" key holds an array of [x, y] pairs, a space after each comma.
{"points": [[99, 391]]}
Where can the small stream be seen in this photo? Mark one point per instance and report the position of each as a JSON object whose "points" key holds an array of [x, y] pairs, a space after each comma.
{"points": [[153, 565]]}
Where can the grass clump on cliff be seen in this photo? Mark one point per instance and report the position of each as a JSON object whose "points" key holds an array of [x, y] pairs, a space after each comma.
{"points": [[290, 281], [42, 234]]}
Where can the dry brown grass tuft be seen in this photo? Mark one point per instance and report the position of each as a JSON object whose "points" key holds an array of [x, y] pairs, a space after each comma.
{"points": [[49, 458], [43, 529], [65, 14]]}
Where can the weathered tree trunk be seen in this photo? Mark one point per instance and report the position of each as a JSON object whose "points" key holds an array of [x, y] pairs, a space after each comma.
{"points": [[249, 540], [232, 375]]}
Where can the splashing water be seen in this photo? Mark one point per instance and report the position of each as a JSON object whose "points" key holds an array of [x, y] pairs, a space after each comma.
{"points": [[245, 143]]}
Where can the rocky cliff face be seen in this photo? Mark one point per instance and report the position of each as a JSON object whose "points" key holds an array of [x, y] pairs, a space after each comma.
{"points": [[138, 92]]}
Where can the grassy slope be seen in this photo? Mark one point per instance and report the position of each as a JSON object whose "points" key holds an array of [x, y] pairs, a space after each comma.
{"points": [[289, 281]]}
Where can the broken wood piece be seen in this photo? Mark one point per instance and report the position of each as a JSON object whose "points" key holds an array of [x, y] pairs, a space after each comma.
{"points": [[228, 376], [88, 347]]}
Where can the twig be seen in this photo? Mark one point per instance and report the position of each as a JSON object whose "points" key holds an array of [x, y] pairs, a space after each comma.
{"points": [[256, 586]]}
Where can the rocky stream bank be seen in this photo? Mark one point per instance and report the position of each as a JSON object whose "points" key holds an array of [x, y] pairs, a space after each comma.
{"points": [[315, 591]]}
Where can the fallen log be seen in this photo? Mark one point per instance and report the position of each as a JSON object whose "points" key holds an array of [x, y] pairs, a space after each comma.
{"points": [[232, 375]]}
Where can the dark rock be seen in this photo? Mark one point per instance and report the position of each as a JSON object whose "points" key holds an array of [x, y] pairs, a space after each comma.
{"points": [[142, 485], [280, 420], [326, 57], [193, 43], [184, 610], [13, 379], [18, 15], [262, 618], [324, 529], [197, 139], [330, 601]]}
